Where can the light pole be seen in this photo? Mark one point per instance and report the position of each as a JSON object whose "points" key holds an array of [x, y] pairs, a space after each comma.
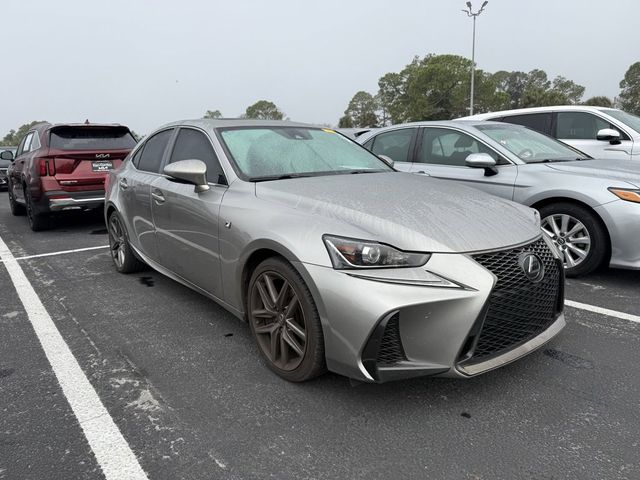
{"points": [[469, 12]]}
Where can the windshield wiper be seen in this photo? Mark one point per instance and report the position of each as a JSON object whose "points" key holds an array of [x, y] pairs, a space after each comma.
{"points": [[280, 177], [553, 160], [364, 170]]}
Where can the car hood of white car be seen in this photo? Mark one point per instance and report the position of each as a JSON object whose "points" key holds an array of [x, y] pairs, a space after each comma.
{"points": [[622, 170]]}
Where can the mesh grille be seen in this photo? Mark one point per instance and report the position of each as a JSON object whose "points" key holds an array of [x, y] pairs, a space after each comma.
{"points": [[391, 350], [518, 309]]}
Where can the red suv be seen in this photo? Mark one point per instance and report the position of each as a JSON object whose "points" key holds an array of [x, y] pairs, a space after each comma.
{"points": [[63, 167]]}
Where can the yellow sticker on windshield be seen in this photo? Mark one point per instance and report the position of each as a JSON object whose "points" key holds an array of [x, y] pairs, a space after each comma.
{"points": [[328, 130]]}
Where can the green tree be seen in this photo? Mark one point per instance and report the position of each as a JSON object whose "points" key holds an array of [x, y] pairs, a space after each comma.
{"points": [[361, 111], [14, 136], [630, 90], [598, 101], [212, 114], [264, 110], [569, 90], [346, 122], [512, 84]]}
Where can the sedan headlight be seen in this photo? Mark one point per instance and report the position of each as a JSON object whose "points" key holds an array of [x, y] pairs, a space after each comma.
{"points": [[628, 194], [349, 253]]}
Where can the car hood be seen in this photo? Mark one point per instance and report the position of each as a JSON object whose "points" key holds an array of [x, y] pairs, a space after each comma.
{"points": [[621, 170], [408, 211]]}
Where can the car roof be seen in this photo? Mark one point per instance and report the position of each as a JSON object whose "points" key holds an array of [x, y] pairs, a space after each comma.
{"points": [[458, 123], [213, 123], [553, 108]]}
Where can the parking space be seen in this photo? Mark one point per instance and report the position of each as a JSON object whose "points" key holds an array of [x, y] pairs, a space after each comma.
{"points": [[184, 383]]}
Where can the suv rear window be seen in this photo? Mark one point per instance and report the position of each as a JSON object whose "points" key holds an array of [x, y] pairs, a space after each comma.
{"points": [[91, 138]]}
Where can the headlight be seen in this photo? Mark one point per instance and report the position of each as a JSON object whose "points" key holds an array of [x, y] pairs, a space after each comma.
{"points": [[348, 253], [630, 195]]}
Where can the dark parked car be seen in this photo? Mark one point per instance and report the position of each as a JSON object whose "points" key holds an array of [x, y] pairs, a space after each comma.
{"points": [[4, 163], [63, 167]]}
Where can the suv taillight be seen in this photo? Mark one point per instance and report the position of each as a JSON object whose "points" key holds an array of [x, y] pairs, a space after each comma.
{"points": [[43, 164]]}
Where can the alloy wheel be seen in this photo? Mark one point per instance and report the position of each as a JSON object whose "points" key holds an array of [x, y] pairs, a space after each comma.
{"points": [[570, 236], [278, 321], [117, 241]]}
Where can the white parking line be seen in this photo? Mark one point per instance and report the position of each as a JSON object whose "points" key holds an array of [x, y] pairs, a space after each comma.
{"points": [[112, 451], [62, 252], [603, 311]]}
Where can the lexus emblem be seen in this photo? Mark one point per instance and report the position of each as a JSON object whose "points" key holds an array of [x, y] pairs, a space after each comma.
{"points": [[103, 155], [532, 266]]}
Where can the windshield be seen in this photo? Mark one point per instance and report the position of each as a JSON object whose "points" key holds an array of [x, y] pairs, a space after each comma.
{"points": [[529, 145], [265, 153], [628, 119]]}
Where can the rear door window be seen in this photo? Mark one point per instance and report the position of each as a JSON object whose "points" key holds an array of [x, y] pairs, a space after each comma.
{"points": [[91, 138], [194, 145], [395, 144], [540, 122], [153, 151]]}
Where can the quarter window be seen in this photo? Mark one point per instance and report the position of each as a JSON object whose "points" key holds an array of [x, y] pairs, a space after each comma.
{"points": [[192, 144], [26, 144], [579, 126], [540, 122], [151, 158], [442, 146], [394, 144]]}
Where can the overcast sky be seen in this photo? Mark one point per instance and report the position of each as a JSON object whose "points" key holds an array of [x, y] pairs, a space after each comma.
{"points": [[145, 63]]}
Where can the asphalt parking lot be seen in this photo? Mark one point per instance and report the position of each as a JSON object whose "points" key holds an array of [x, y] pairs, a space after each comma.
{"points": [[183, 382]]}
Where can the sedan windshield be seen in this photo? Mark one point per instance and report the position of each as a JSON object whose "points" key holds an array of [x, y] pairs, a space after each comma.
{"points": [[626, 118], [529, 145], [269, 153]]}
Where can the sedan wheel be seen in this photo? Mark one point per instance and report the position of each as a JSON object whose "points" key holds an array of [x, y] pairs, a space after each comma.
{"points": [[570, 236], [579, 235], [285, 322], [121, 252]]}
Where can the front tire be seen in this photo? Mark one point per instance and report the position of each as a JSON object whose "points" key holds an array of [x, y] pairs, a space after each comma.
{"points": [[16, 208], [285, 322], [578, 234], [122, 254]]}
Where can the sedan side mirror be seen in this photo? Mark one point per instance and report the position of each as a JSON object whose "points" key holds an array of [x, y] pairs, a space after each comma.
{"points": [[192, 171], [609, 135], [388, 160], [482, 160], [6, 155]]}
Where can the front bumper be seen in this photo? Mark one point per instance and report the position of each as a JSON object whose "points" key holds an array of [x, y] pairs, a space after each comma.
{"points": [[433, 325], [622, 220]]}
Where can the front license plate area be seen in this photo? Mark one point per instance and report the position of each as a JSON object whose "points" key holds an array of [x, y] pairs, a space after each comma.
{"points": [[102, 165]]}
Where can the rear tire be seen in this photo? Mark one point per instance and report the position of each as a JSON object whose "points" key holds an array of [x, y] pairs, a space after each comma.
{"points": [[581, 234], [122, 254], [285, 322], [16, 208], [37, 221]]}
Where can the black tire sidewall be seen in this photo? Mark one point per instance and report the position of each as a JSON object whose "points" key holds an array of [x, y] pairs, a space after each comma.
{"points": [[313, 363], [131, 263], [597, 232]]}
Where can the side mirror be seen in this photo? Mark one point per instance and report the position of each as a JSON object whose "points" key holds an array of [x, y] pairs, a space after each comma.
{"points": [[388, 160], [192, 171], [609, 135], [482, 160], [6, 155]]}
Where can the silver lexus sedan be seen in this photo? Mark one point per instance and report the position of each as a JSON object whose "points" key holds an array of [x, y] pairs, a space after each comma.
{"points": [[589, 207], [336, 260]]}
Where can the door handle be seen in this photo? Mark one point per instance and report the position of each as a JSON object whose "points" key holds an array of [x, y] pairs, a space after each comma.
{"points": [[157, 196], [123, 184]]}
